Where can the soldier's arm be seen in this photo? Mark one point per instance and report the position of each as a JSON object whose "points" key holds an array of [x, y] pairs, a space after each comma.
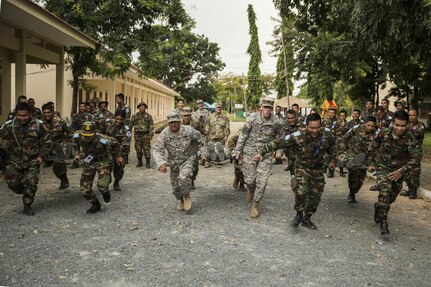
{"points": [[151, 126], [243, 136], [415, 156], [158, 150], [76, 144], [227, 128], [131, 122], [125, 143]]}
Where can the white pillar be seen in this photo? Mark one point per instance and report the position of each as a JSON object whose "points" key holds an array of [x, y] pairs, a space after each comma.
{"points": [[59, 84]]}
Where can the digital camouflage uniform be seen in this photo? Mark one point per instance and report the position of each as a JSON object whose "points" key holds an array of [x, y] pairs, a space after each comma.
{"points": [[353, 123], [255, 133], [365, 114], [78, 119], [126, 110], [182, 149], [24, 144], [290, 154], [216, 129], [123, 136], [328, 123], [402, 153], [143, 126], [104, 150], [413, 177], [202, 116]]}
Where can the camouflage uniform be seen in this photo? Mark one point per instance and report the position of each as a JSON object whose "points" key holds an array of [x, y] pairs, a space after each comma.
{"points": [[365, 114], [123, 136], [202, 116], [36, 113], [182, 149], [59, 133], [300, 118], [290, 154], [194, 123], [126, 109], [105, 114], [24, 145], [328, 123], [353, 123], [402, 153], [144, 128], [78, 119], [237, 164], [339, 129], [217, 128], [104, 150], [413, 177], [255, 133]]}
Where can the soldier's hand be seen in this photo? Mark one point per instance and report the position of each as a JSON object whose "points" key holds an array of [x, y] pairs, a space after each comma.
{"points": [[204, 158], [225, 139], [39, 159], [257, 157], [395, 175], [332, 164], [235, 156], [120, 161], [163, 168], [371, 168], [77, 158]]}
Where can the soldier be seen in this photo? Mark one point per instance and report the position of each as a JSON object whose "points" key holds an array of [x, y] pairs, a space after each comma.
{"points": [[338, 130], [181, 142], [25, 141], [358, 139], [189, 120], [97, 117], [180, 106], [116, 129], [35, 112], [119, 98], [103, 110], [369, 104], [329, 123], [383, 119], [299, 116], [77, 120], [310, 145], [217, 129], [277, 113], [56, 113], [260, 127], [59, 134], [388, 114], [98, 152], [238, 182], [401, 105], [356, 119], [21, 99], [413, 178], [202, 115], [143, 124], [292, 125]]}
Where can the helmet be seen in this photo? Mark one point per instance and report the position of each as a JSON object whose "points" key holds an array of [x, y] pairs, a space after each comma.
{"points": [[88, 129]]}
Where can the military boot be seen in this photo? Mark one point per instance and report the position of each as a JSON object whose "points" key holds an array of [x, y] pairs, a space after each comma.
{"points": [[413, 193], [376, 213], [187, 202], [193, 185], [241, 185], [94, 208], [306, 222], [342, 174], [75, 165], [126, 159], [351, 198], [106, 196], [249, 196], [278, 161], [405, 193], [117, 185], [384, 230], [27, 210], [139, 164], [64, 182], [330, 173], [235, 183], [254, 209], [147, 162], [297, 219]]}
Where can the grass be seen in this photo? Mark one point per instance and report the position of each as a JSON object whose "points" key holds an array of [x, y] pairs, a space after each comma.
{"points": [[426, 147]]}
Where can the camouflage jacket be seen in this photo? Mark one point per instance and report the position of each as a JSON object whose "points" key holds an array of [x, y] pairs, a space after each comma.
{"points": [[290, 129], [106, 114], [353, 123], [392, 153], [194, 123], [121, 133], [328, 123], [232, 141], [36, 113], [300, 118], [180, 146], [217, 127], [339, 129], [383, 123], [418, 130], [256, 132], [102, 149], [24, 143], [202, 117], [356, 141], [126, 109], [142, 123], [58, 130], [78, 119], [365, 114], [280, 117]]}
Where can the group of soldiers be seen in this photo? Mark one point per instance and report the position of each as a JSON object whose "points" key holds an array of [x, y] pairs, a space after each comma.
{"points": [[97, 137]]}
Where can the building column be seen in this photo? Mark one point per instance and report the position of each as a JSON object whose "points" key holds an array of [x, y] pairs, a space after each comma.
{"points": [[20, 66], [59, 84], [112, 95], [6, 92]]}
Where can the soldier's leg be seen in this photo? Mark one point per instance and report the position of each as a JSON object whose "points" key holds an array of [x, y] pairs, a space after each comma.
{"points": [[211, 153], [14, 176], [299, 184], [60, 171], [185, 176], [147, 151], [118, 172], [86, 183], [175, 171], [386, 196], [316, 184], [139, 148], [30, 181], [239, 175], [249, 169], [103, 180], [413, 181], [356, 179], [263, 170]]}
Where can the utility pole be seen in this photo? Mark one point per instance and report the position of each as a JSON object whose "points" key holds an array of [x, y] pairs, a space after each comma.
{"points": [[285, 66]]}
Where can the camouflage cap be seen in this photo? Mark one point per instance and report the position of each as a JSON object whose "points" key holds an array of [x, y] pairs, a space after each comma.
{"points": [[403, 103], [186, 111], [142, 103], [218, 105], [173, 116], [88, 129], [267, 102], [102, 102], [199, 101]]}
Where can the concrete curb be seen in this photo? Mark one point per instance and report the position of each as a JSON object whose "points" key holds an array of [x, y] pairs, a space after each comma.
{"points": [[425, 193]]}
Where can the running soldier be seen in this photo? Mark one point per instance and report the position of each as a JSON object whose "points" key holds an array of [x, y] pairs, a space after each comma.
{"points": [[143, 124], [338, 130]]}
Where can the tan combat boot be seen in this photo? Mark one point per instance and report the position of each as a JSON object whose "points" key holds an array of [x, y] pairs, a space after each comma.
{"points": [[180, 206], [187, 202], [254, 210], [249, 196]]}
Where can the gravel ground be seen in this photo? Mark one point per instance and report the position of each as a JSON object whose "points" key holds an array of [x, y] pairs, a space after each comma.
{"points": [[139, 239]]}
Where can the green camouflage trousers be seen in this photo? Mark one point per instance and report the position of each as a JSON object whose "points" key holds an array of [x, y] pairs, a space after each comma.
{"points": [[87, 177], [307, 185], [143, 146], [388, 192], [413, 177], [356, 179], [256, 174], [23, 179], [118, 171], [181, 177]]}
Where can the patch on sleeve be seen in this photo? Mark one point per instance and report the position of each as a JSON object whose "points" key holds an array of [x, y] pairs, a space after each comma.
{"points": [[76, 135], [103, 141], [127, 110], [129, 134], [287, 137], [297, 133], [327, 130]]}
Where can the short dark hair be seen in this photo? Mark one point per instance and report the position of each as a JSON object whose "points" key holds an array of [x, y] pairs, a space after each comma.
{"points": [[385, 100], [296, 105], [371, 119], [121, 96], [47, 106], [121, 113], [30, 99], [312, 118], [180, 100], [22, 97], [290, 111], [356, 110], [369, 101], [343, 112], [379, 108], [401, 115], [82, 103], [22, 107]]}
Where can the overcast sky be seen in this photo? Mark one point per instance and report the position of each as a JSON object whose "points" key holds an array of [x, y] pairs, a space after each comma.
{"points": [[225, 22]]}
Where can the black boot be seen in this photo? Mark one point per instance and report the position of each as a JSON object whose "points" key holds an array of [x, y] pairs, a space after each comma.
{"points": [[94, 208], [384, 230], [139, 162], [297, 219], [147, 162], [117, 185], [278, 161], [64, 182], [306, 222], [351, 198], [126, 159], [330, 173], [342, 174], [376, 213], [75, 165], [413, 193], [405, 193], [27, 210], [106, 196], [193, 185]]}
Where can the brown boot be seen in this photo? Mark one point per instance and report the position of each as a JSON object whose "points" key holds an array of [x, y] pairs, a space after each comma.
{"points": [[180, 206], [249, 196], [254, 210], [187, 202]]}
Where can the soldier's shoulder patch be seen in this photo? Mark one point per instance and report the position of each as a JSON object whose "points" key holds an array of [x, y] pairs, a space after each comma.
{"points": [[327, 130], [76, 135], [128, 134], [103, 141], [126, 127], [297, 133]]}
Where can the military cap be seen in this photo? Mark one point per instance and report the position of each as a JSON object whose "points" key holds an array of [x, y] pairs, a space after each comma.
{"points": [[101, 102], [173, 117], [88, 129], [199, 101], [403, 103], [186, 111], [142, 103], [267, 102], [218, 105]]}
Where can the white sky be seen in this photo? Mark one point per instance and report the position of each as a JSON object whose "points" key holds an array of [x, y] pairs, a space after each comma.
{"points": [[225, 22]]}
